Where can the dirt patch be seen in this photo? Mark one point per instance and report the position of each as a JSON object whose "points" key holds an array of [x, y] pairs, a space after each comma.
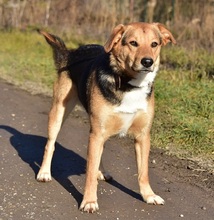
{"points": [[184, 170]]}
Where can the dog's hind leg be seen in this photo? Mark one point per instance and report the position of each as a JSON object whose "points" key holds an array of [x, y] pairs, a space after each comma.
{"points": [[64, 100], [102, 174]]}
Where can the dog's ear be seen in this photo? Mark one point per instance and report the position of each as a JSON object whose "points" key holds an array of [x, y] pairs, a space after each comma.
{"points": [[166, 34], [115, 36]]}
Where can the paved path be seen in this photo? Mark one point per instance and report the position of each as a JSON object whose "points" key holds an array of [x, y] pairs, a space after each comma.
{"points": [[23, 121]]}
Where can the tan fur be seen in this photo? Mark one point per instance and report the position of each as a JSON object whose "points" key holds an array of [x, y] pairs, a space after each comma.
{"points": [[64, 100], [107, 119]]}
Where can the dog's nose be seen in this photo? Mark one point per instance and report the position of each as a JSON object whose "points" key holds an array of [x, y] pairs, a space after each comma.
{"points": [[147, 62]]}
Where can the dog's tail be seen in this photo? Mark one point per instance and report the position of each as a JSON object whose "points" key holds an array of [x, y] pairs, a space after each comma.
{"points": [[60, 52]]}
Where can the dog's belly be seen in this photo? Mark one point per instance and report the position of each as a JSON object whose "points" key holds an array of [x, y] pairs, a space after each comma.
{"points": [[127, 119]]}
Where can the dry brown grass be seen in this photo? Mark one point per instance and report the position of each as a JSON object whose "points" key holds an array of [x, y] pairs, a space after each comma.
{"points": [[191, 21]]}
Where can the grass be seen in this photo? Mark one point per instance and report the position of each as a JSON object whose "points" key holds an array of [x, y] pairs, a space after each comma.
{"points": [[185, 103], [184, 89], [184, 116], [26, 60]]}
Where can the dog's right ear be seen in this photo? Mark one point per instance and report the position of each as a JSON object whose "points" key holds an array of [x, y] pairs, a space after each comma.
{"points": [[166, 34], [115, 36]]}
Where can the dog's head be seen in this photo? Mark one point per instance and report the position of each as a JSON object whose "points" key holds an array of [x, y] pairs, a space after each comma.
{"points": [[136, 47]]}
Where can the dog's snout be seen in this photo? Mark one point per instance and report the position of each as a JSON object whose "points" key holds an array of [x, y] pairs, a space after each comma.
{"points": [[147, 62]]}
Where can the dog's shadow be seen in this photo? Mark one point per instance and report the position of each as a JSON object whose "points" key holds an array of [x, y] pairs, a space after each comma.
{"points": [[65, 162]]}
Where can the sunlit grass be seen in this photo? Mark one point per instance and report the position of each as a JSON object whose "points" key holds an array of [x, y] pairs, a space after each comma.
{"points": [[27, 58], [23, 58], [184, 116], [184, 89]]}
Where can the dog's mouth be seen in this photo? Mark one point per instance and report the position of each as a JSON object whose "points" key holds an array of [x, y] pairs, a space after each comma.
{"points": [[142, 70], [146, 70]]}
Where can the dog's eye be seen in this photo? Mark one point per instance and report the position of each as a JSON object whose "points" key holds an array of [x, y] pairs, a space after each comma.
{"points": [[154, 44], [133, 43]]}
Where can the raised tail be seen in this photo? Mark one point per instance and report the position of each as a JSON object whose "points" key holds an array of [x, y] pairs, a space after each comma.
{"points": [[60, 52]]}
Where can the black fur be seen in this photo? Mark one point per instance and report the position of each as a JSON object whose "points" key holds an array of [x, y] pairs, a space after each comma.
{"points": [[85, 61]]}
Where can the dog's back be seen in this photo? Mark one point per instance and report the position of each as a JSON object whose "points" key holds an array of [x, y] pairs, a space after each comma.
{"points": [[65, 58]]}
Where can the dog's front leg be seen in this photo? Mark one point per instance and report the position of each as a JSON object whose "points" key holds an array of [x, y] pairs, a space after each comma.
{"points": [[95, 149], [142, 146]]}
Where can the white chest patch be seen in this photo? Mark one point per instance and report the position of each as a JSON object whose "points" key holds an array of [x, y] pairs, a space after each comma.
{"points": [[136, 99], [133, 101]]}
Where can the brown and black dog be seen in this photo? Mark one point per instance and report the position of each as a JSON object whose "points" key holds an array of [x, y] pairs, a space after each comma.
{"points": [[114, 84]]}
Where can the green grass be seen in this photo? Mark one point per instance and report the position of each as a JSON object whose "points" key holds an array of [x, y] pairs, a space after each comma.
{"points": [[26, 60], [184, 116], [184, 88]]}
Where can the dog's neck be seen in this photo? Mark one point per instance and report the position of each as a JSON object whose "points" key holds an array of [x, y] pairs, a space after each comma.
{"points": [[126, 83], [122, 82], [144, 79]]}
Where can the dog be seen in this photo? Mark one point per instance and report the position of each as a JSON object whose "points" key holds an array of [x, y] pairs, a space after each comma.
{"points": [[114, 83]]}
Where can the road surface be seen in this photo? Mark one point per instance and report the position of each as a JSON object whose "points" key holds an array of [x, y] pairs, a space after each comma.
{"points": [[187, 190]]}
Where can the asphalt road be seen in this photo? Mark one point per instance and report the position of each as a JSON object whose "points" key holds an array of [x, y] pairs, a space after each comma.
{"points": [[23, 121]]}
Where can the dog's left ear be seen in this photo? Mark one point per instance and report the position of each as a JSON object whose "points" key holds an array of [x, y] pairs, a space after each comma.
{"points": [[114, 38], [166, 34]]}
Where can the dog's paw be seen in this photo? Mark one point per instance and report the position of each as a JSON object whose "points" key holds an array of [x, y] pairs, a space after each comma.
{"points": [[44, 177], [154, 200], [104, 176], [89, 207]]}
